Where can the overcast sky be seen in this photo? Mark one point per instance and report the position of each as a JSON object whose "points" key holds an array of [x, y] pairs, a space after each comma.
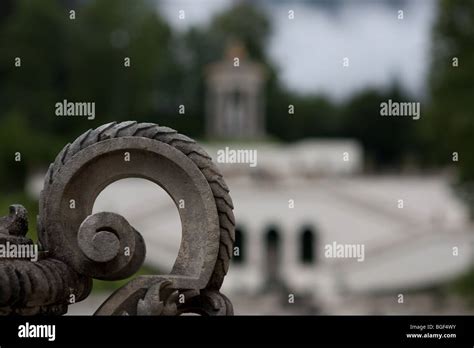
{"points": [[309, 50]]}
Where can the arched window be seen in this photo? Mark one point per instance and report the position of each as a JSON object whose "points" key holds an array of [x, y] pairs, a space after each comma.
{"points": [[307, 246], [273, 238], [239, 251], [272, 245]]}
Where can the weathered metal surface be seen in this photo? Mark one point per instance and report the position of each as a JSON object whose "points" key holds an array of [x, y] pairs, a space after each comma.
{"points": [[106, 246]]}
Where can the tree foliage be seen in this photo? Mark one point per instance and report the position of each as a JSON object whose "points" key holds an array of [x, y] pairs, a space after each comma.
{"points": [[83, 59], [450, 123]]}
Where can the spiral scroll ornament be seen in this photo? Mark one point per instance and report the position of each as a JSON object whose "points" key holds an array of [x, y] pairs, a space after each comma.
{"points": [[105, 245]]}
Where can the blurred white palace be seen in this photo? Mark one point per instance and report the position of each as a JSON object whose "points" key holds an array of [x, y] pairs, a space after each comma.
{"points": [[300, 198]]}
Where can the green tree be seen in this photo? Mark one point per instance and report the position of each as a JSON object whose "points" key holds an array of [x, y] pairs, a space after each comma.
{"points": [[387, 141], [291, 116], [450, 122], [81, 59], [105, 34]]}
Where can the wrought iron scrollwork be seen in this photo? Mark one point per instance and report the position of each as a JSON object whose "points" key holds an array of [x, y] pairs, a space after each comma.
{"points": [[77, 245]]}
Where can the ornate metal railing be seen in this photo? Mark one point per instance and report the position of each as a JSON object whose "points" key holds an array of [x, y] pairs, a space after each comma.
{"points": [[76, 245]]}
